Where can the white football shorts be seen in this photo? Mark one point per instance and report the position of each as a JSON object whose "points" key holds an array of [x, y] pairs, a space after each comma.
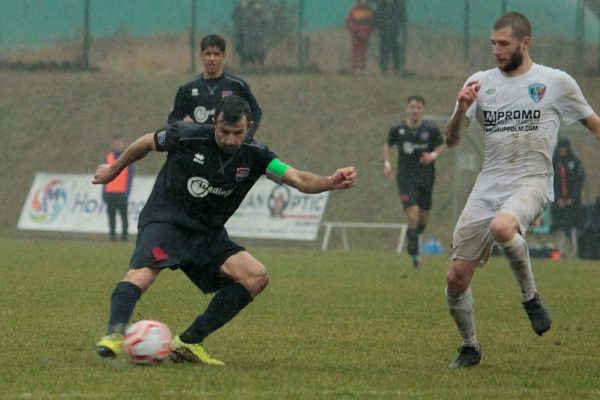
{"points": [[472, 236]]}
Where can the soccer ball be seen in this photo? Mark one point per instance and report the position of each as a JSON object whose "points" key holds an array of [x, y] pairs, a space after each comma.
{"points": [[147, 342]]}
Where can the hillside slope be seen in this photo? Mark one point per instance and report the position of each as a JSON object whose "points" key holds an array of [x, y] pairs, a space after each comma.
{"points": [[59, 122]]}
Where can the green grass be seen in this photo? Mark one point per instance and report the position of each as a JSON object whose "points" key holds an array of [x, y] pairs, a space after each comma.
{"points": [[335, 325]]}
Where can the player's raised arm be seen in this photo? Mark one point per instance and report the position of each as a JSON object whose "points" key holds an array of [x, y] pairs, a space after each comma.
{"points": [[136, 151], [458, 122]]}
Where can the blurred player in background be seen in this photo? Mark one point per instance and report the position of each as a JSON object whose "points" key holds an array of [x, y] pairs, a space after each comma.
{"points": [[520, 105], [116, 193], [208, 172], [419, 144], [568, 184], [195, 100]]}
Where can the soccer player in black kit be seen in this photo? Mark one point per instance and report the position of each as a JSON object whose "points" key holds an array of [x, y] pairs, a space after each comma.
{"points": [[208, 172], [195, 100], [419, 144]]}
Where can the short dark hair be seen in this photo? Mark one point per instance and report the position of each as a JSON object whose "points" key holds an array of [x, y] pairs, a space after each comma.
{"points": [[233, 108], [520, 25], [212, 41], [415, 97]]}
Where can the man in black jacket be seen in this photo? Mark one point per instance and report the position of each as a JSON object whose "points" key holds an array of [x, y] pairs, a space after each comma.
{"points": [[391, 22], [568, 183]]}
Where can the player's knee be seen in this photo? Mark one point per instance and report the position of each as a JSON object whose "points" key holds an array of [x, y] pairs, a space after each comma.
{"points": [[456, 282], [256, 282], [503, 228], [248, 271], [142, 278], [262, 280]]}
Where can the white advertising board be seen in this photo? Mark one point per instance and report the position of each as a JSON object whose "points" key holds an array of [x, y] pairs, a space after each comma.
{"points": [[272, 211], [71, 203]]}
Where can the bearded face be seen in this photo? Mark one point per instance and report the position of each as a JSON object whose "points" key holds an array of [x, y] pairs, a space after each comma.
{"points": [[508, 50], [514, 61]]}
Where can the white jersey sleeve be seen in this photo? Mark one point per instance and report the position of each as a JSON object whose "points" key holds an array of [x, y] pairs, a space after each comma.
{"points": [[571, 106]]}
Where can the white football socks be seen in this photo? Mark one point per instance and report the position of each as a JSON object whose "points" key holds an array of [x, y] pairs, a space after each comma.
{"points": [[574, 244], [462, 309], [517, 253]]}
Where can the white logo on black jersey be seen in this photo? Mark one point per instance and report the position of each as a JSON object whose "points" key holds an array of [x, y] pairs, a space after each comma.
{"points": [[201, 114], [409, 147], [161, 137], [200, 187], [199, 158], [194, 92]]}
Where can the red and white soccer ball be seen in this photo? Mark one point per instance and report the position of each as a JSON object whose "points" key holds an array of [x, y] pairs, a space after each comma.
{"points": [[147, 342]]}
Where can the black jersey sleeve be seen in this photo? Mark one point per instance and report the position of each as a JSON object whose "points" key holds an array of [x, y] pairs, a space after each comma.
{"points": [[262, 157], [436, 138], [392, 137], [177, 112], [183, 104], [170, 138], [166, 139]]}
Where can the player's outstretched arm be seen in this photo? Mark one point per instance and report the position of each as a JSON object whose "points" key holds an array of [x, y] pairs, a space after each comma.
{"points": [[136, 151], [310, 183]]}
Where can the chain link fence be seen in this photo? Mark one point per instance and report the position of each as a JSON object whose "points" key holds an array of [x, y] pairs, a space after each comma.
{"points": [[443, 37]]}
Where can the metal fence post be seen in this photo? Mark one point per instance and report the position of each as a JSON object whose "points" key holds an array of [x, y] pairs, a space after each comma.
{"points": [[467, 33], [301, 44], [193, 38], [579, 35], [598, 61], [85, 57]]}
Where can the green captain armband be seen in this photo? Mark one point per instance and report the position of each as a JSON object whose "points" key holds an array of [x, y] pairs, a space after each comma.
{"points": [[276, 169]]}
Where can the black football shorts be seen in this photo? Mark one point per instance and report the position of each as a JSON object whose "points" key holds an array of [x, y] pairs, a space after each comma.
{"points": [[415, 192], [198, 255]]}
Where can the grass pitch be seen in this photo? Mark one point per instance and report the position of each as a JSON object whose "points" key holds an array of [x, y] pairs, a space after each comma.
{"points": [[355, 325]]}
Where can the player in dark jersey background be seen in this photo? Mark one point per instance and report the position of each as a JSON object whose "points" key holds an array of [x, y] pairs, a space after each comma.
{"points": [[195, 100], [419, 144], [208, 172]]}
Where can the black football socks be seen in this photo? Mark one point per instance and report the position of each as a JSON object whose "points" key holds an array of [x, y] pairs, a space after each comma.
{"points": [[225, 305], [122, 303], [413, 242]]}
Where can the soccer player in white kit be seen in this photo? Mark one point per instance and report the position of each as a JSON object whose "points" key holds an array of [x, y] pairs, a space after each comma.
{"points": [[520, 105]]}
